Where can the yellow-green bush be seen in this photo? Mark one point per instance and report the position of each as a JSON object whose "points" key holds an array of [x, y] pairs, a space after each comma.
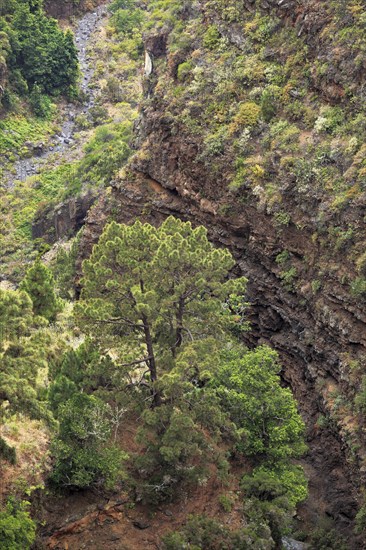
{"points": [[248, 115]]}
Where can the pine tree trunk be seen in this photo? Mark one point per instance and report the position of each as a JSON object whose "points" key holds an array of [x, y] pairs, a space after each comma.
{"points": [[151, 361]]}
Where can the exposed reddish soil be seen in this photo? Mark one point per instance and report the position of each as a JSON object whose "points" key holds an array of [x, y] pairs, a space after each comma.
{"points": [[93, 520]]}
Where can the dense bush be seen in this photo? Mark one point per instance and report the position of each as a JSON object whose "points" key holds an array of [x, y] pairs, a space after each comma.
{"points": [[37, 54], [17, 529], [204, 533], [82, 453]]}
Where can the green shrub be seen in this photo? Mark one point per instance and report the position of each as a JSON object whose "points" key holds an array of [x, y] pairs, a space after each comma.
{"points": [[288, 277], [330, 120], [360, 398], [39, 284], [6, 452], [98, 114], [211, 37], [184, 70], [247, 116], [126, 21], [271, 494], [41, 104], [358, 287], [315, 285], [64, 269], [327, 539], [284, 137], [17, 529], [270, 102], [282, 218], [215, 143], [202, 532], [283, 257], [46, 56], [267, 483], [226, 502], [83, 456]]}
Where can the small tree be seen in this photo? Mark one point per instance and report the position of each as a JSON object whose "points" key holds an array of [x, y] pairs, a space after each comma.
{"points": [[39, 284]]}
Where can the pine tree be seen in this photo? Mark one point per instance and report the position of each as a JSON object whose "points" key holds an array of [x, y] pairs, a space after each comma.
{"points": [[39, 285], [161, 302], [152, 289]]}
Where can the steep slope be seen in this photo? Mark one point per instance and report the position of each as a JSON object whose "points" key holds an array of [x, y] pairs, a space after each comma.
{"points": [[253, 124]]}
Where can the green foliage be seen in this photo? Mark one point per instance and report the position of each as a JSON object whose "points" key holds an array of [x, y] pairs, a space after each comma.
{"points": [[17, 129], [361, 520], [64, 269], [360, 398], [176, 451], [17, 529], [283, 257], [25, 349], [361, 265], [316, 285], [215, 143], [7, 452], [284, 137], [143, 284], [60, 391], [184, 70], [330, 120], [106, 153], [327, 539], [270, 102], [83, 368], [39, 284], [126, 21], [160, 298], [163, 283], [82, 453], [15, 315], [247, 116], [273, 430], [204, 533], [211, 38], [271, 493], [282, 218], [288, 277], [40, 103], [38, 55], [266, 483], [226, 503], [358, 287]]}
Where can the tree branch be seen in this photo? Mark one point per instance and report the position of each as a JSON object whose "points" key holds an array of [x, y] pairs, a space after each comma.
{"points": [[136, 362]]}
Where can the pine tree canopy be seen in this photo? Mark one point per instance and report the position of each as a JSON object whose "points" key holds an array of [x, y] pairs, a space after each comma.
{"points": [[155, 289]]}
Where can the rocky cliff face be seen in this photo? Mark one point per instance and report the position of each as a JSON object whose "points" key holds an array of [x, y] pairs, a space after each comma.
{"points": [[291, 211], [53, 223], [307, 332], [68, 8]]}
